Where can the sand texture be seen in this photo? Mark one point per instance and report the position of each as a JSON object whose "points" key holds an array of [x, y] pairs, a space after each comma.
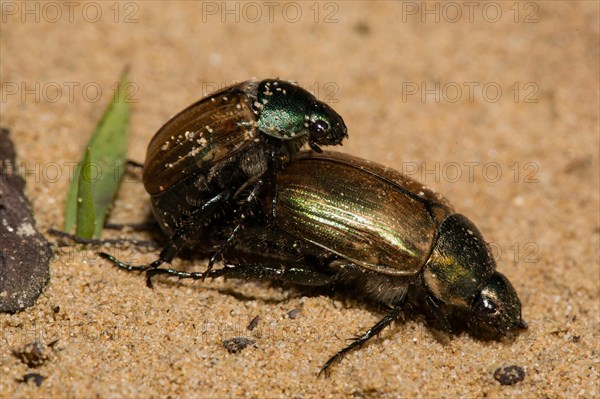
{"points": [[496, 107]]}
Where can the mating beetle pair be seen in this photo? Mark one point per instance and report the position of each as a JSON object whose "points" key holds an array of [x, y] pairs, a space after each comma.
{"points": [[241, 135], [324, 219]]}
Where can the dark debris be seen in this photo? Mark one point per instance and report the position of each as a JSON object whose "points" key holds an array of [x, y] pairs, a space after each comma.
{"points": [[292, 314], [509, 375], [37, 378], [235, 345], [253, 323], [33, 354]]}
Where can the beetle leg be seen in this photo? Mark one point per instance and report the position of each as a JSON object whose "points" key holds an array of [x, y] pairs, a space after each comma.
{"points": [[437, 311], [129, 267], [182, 274], [306, 277], [178, 239], [231, 240], [246, 271], [250, 271], [370, 333]]}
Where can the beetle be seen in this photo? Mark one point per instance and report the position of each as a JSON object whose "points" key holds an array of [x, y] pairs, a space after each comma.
{"points": [[345, 221], [243, 134]]}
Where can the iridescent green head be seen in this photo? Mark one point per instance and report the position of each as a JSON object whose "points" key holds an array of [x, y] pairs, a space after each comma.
{"points": [[288, 112], [461, 274]]}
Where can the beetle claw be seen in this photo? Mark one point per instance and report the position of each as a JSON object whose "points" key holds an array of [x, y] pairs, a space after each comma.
{"points": [[315, 147]]}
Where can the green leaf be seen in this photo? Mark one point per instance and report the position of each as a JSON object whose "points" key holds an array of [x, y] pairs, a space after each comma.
{"points": [[86, 218], [108, 151]]}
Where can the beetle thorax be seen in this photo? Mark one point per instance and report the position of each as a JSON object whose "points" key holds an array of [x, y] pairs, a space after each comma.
{"points": [[460, 263]]}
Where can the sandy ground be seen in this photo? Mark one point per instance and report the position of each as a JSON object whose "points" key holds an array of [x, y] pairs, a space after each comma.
{"points": [[495, 106]]}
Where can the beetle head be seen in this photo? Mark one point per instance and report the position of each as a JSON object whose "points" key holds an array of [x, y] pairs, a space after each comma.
{"points": [[325, 126], [498, 305], [288, 112]]}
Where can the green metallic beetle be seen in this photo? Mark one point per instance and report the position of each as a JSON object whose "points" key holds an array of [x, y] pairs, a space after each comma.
{"points": [[241, 135], [345, 221]]}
